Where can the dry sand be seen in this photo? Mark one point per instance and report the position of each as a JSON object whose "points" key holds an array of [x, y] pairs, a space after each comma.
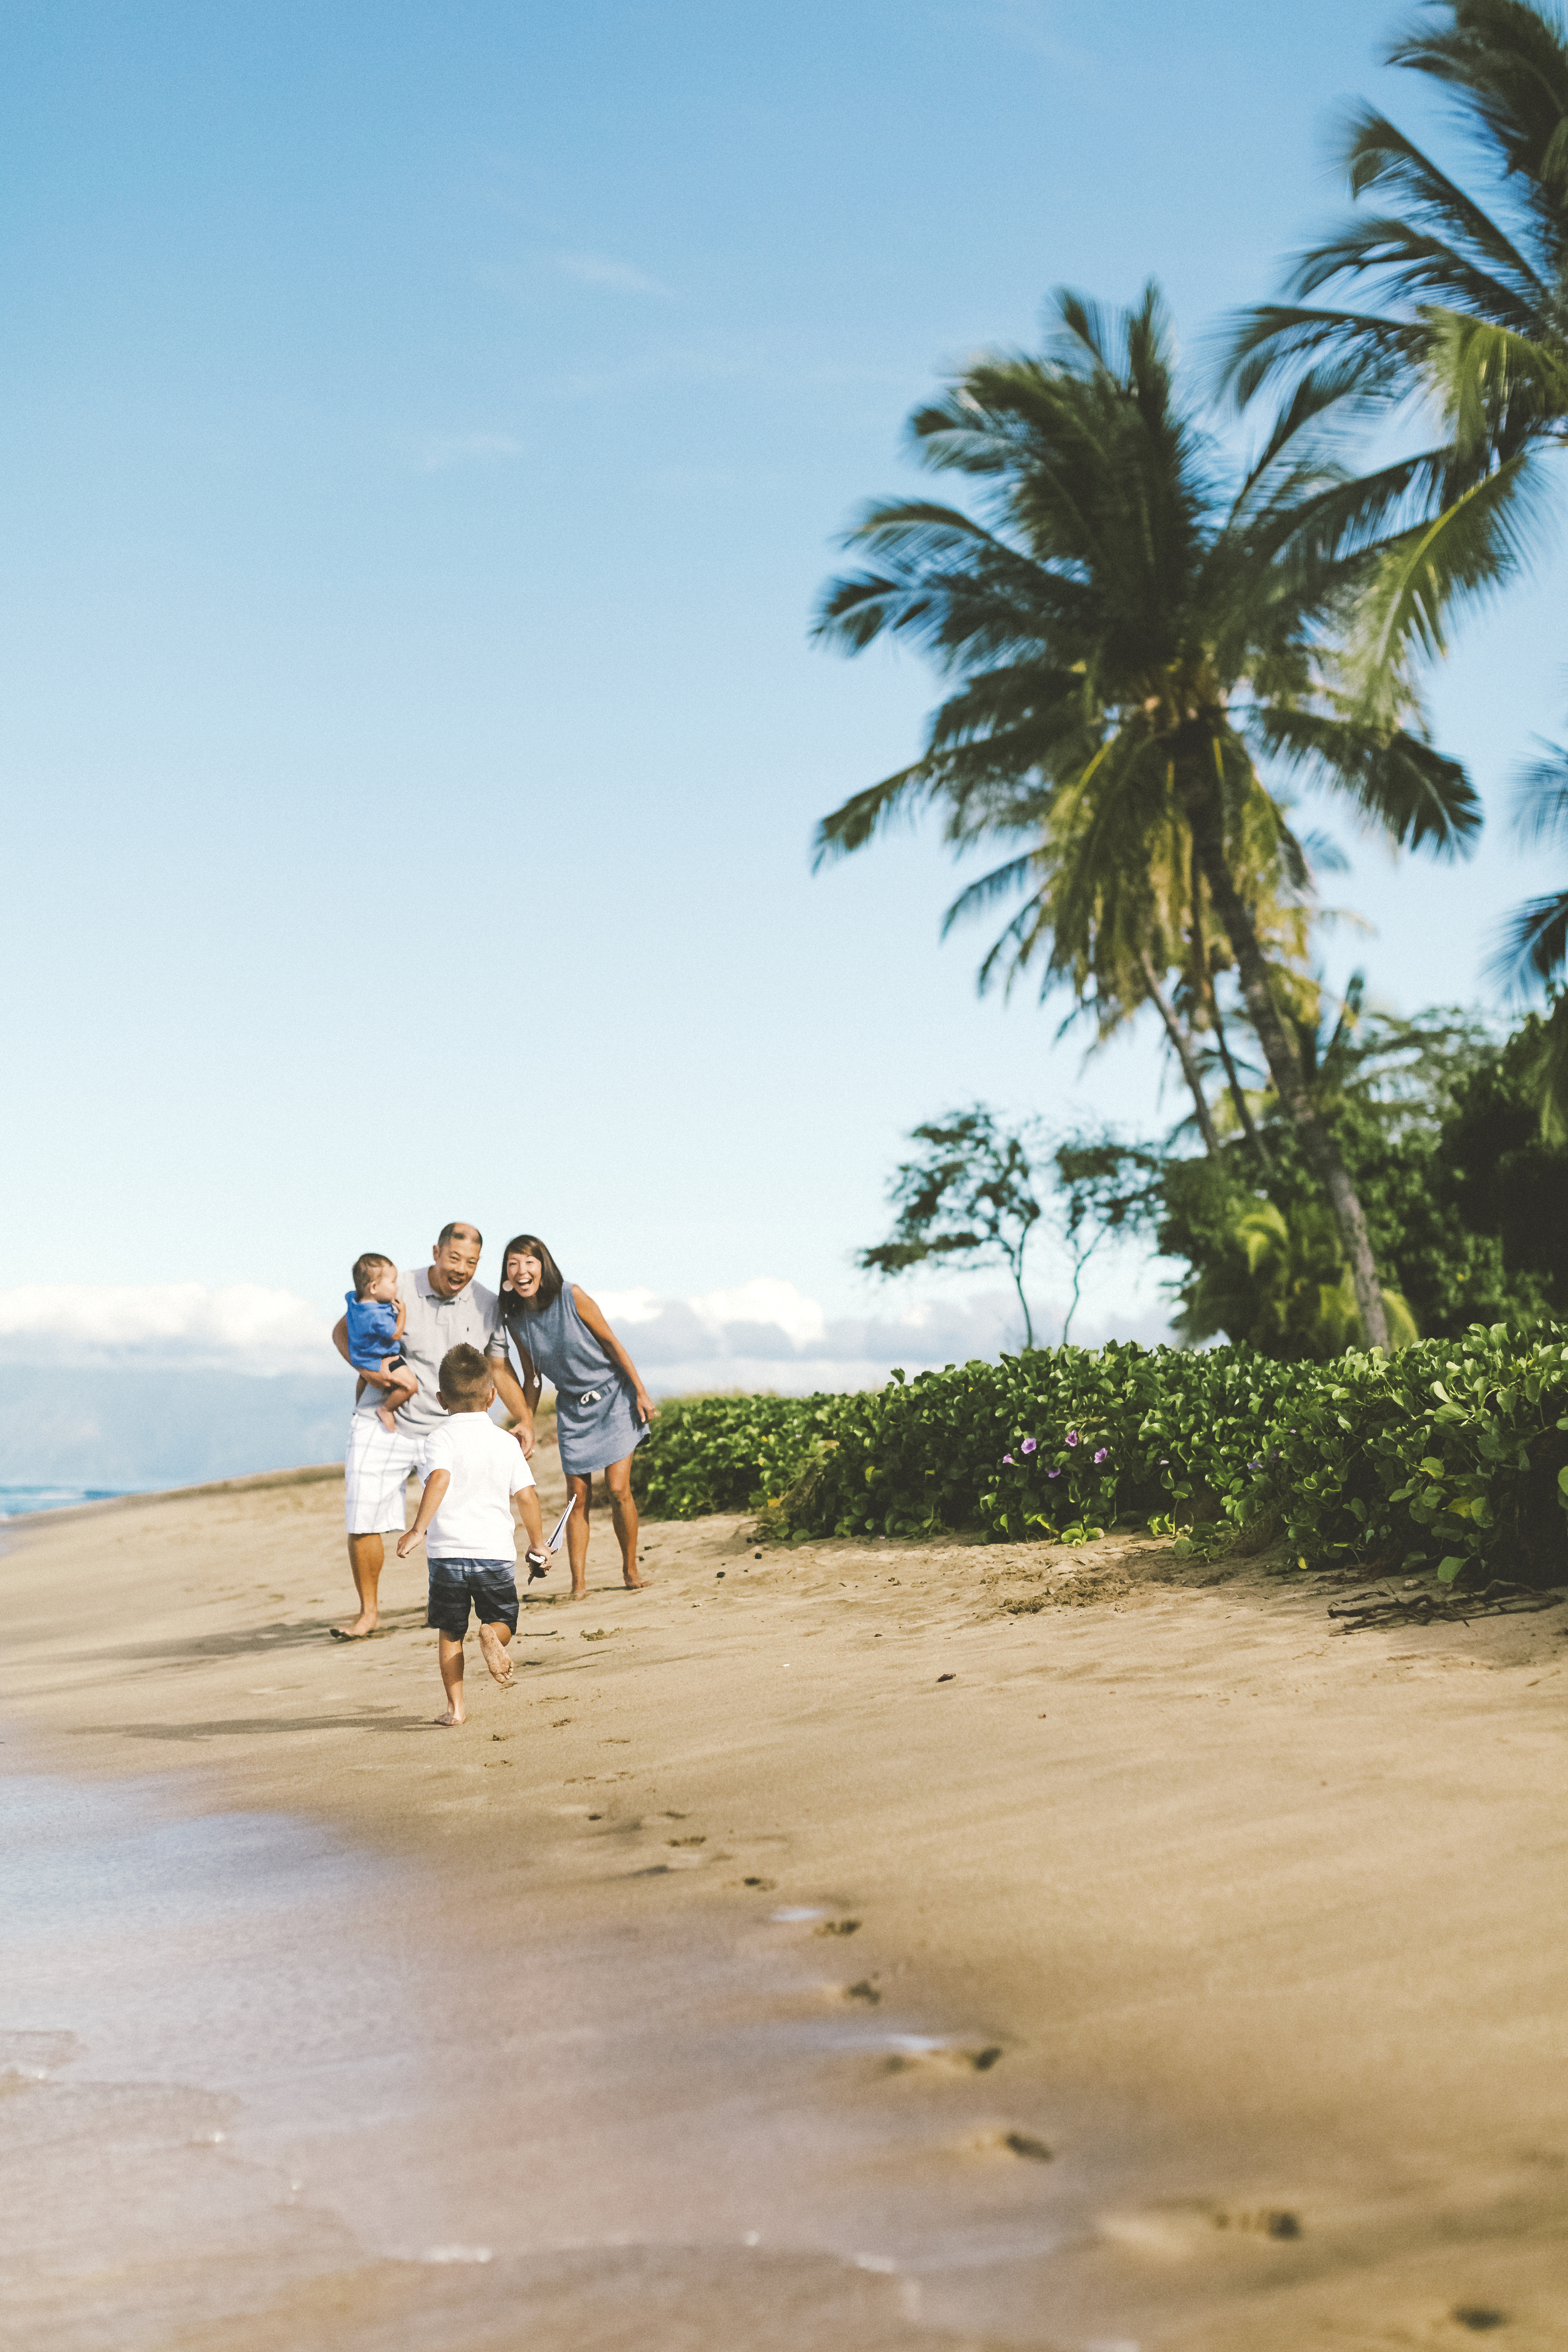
{"points": [[818, 1948]]}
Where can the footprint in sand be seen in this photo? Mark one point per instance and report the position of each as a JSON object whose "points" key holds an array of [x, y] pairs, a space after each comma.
{"points": [[1006, 2143], [923, 2053], [1188, 2229]]}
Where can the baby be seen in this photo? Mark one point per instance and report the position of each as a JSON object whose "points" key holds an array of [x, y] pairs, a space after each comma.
{"points": [[375, 1317]]}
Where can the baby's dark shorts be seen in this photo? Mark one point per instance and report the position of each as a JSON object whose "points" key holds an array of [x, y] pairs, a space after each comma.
{"points": [[489, 1584]]}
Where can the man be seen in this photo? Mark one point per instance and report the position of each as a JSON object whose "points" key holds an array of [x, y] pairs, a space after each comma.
{"points": [[444, 1308]]}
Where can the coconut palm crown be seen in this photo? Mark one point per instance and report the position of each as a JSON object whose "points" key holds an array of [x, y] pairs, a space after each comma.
{"points": [[1132, 633], [1463, 310]]}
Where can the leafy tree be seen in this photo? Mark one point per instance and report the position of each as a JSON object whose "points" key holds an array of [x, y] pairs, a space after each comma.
{"points": [[970, 1195], [1467, 1205], [1132, 633], [1466, 311], [1108, 1189]]}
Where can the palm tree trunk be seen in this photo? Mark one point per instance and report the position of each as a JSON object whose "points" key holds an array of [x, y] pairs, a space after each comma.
{"points": [[1203, 985], [1183, 1046], [1237, 1094], [1322, 1153]]}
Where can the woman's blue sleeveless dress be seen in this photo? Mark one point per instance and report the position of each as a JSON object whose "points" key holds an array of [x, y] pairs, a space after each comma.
{"points": [[595, 1416]]}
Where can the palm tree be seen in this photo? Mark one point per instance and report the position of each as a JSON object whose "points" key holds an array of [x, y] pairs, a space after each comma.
{"points": [[1130, 639], [1468, 315], [1534, 944], [1111, 917]]}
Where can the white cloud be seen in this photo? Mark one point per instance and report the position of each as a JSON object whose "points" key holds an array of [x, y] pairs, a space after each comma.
{"points": [[611, 277], [763, 1334], [192, 1324]]}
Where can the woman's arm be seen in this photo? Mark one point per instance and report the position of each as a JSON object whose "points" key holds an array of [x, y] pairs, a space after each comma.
{"points": [[601, 1330], [516, 1400]]}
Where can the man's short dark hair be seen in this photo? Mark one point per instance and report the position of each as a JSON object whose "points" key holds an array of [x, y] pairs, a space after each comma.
{"points": [[450, 1232], [465, 1375], [367, 1267]]}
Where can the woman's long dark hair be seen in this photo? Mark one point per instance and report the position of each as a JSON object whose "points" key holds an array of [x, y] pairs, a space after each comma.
{"points": [[551, 1280]]}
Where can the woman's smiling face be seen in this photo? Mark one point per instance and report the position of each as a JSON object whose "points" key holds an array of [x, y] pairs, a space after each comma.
{"points": [[524, 1272]]}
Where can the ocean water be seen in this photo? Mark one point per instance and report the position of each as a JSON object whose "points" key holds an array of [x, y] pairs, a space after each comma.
{"points": [[16, 1501]]}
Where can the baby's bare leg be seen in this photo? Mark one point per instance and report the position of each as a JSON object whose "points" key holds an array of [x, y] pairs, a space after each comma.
{"points": [[399, 1384], [450, 1654]]}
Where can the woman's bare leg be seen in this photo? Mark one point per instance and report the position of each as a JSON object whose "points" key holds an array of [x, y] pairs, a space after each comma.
{"points": [[623, 1512], [577, 1533]]}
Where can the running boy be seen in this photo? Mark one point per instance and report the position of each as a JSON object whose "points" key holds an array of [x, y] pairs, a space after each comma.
{"points": [[375, 1315], [473, 1475]]}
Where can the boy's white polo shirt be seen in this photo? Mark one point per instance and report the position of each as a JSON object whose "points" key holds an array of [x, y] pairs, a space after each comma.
{"points": [[486, 1469]]}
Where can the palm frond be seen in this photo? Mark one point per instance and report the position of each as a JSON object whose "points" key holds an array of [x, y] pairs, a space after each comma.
{"points": [[1532, 945], [1473, 545], [1416, 795], [1541, 796], [870, 811], [1506, 61], [1378, 154]]}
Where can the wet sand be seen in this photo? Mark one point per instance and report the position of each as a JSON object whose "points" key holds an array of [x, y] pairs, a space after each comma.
{"points": [[869, 1944]]}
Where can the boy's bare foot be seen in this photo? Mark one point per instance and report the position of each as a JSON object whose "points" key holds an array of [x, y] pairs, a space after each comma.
{"points": [[450, 1720], [386, 1417], [495, 1656]]}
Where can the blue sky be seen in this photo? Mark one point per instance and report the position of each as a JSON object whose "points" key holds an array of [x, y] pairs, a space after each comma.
{"points": [[428, 430]]}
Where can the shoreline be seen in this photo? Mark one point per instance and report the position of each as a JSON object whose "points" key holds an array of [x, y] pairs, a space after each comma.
{"points": [[1258, 1920]]}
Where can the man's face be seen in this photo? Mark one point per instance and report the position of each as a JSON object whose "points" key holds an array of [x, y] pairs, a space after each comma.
{"points": [[454, 1264]]}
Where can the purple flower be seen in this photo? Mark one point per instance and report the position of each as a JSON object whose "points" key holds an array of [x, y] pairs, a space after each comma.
{"points": [[1102, 1454], [1255, 1466], [1164, 1461], [1030, 1445], [1053, 1474], [1072, 1437], [1007, 1457]]}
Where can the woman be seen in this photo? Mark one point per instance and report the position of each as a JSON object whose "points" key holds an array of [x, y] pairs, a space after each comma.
{"points": [[602, 1409]]}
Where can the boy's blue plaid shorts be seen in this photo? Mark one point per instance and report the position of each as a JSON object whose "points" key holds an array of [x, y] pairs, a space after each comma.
{"points": [[489, 1584]]}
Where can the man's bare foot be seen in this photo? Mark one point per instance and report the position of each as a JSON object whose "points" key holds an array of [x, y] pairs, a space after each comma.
{"points": [[361, 1630], [450, 1720], [495, 1656]]}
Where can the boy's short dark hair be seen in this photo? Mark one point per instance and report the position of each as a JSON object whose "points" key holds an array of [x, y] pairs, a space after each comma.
{"points": [[465, 1376], [367, 1267]]}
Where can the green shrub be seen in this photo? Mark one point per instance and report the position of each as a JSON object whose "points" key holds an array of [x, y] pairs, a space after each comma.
{"points": [[1446, 1455]]}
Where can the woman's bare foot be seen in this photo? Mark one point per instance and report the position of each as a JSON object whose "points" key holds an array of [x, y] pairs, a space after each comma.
{"points": [[635, 1583], [360, 1630], [450, 1720]]}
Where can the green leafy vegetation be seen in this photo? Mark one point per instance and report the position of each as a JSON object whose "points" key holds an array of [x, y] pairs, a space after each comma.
{"points": [[1448, 1458], [1440, 1124]]}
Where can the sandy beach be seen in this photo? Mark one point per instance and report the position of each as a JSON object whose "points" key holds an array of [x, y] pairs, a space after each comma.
{"points": [[868, 1944]]}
